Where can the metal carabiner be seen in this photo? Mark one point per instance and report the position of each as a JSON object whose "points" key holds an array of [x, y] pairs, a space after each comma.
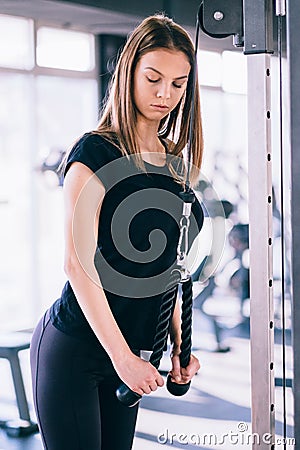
{"points": [[182, 248]]}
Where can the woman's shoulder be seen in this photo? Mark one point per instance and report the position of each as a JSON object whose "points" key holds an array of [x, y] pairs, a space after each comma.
{"points": [[93, 150], [97, 141]]}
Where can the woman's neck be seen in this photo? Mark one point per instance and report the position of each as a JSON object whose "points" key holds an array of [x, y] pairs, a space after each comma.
{"points": [[148, 140], [150, 146]]}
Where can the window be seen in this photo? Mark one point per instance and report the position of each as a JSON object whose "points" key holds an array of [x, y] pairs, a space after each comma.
{"points": [[42, 111], [210, 68], [234, 78], [16, 42], [227, 71], [65, 49]]}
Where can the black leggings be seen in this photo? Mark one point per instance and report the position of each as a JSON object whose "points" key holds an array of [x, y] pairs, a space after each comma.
{"points": [[74, 394]]}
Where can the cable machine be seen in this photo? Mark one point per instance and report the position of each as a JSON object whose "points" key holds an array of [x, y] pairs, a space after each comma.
{"points": [[250, 22]]}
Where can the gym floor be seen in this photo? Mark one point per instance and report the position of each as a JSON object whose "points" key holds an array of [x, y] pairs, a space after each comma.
{"points": [[217, 404]]}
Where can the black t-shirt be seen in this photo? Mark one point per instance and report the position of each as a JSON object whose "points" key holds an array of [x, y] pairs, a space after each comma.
{"points": [[137, 241]]}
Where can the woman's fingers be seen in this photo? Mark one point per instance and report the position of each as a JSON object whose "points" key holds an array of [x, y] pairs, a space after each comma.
{"points": [[176, 369], [183, 375], [188, 372], [160, 380], [152, 386], [143, 378]]}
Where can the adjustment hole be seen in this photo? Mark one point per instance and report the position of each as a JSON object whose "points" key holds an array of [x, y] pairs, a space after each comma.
{"points": [[271, 324], [269, 157], [270, 283], [272, 407], [270, 241], [268, 115], [269, 199], [271, 366], [268, 72]]}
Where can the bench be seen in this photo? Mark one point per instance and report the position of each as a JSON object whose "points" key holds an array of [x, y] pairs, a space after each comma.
{"points": [[11, 344]]}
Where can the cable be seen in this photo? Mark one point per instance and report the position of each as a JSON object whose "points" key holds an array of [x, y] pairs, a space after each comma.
{"points": [[194, 75], [282, 227]]}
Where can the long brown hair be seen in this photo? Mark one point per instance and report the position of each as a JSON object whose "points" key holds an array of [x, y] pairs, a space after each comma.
{"points": [[118, 117]]}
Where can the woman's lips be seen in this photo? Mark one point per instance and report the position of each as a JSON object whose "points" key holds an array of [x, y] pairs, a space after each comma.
{"points": [[160, 107]]}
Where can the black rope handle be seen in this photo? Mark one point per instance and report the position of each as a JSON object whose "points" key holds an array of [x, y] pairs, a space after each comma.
{"points": [[124, 394], [186, 337], [131, 398], [163, 325]]}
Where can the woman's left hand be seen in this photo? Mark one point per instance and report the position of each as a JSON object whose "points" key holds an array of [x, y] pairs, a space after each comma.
{"points": [[183, 375]]}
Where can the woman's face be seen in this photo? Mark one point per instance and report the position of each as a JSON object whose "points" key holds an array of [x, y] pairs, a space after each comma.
{"points": [[160, 81]]}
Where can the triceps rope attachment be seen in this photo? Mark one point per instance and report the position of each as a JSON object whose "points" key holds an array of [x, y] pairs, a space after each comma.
{"points": [[180, 274]]}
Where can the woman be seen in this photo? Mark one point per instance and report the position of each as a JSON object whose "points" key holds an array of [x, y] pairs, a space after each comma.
{"points": [[122, 210]]}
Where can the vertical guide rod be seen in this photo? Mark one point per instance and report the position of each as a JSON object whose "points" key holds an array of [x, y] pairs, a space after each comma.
{"points": [[261, 271], [293, 54], [280, 11]]}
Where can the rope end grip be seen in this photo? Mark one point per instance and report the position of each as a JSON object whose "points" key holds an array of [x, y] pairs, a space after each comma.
{"points": [[127, 397], [177, 389]]}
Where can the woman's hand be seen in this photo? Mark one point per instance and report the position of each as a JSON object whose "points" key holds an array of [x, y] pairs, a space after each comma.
{"points": [[139, 375], [183, 375]]}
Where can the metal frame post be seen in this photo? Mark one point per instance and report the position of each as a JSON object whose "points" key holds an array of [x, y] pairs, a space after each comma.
{"points": [[258, 44], [293, 21], [260, 220]]}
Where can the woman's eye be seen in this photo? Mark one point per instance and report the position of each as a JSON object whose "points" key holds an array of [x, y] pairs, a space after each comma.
{"points": [[178, 86], [153, 81]]}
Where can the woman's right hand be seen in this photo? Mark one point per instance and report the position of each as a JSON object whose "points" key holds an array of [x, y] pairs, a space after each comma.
{"points": [[139, 375]]}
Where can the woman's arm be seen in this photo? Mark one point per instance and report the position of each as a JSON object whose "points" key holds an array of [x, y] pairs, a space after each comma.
{"points": [[83, 196]]}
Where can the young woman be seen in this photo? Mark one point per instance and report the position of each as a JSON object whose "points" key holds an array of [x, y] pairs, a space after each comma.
{"points": [[122, 213]]}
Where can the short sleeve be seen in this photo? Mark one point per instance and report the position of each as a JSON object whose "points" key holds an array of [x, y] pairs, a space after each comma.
{"points": [[93, 151]]}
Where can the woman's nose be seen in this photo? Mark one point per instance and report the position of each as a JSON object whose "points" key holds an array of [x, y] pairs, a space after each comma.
{"points": [[164, 91]]}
